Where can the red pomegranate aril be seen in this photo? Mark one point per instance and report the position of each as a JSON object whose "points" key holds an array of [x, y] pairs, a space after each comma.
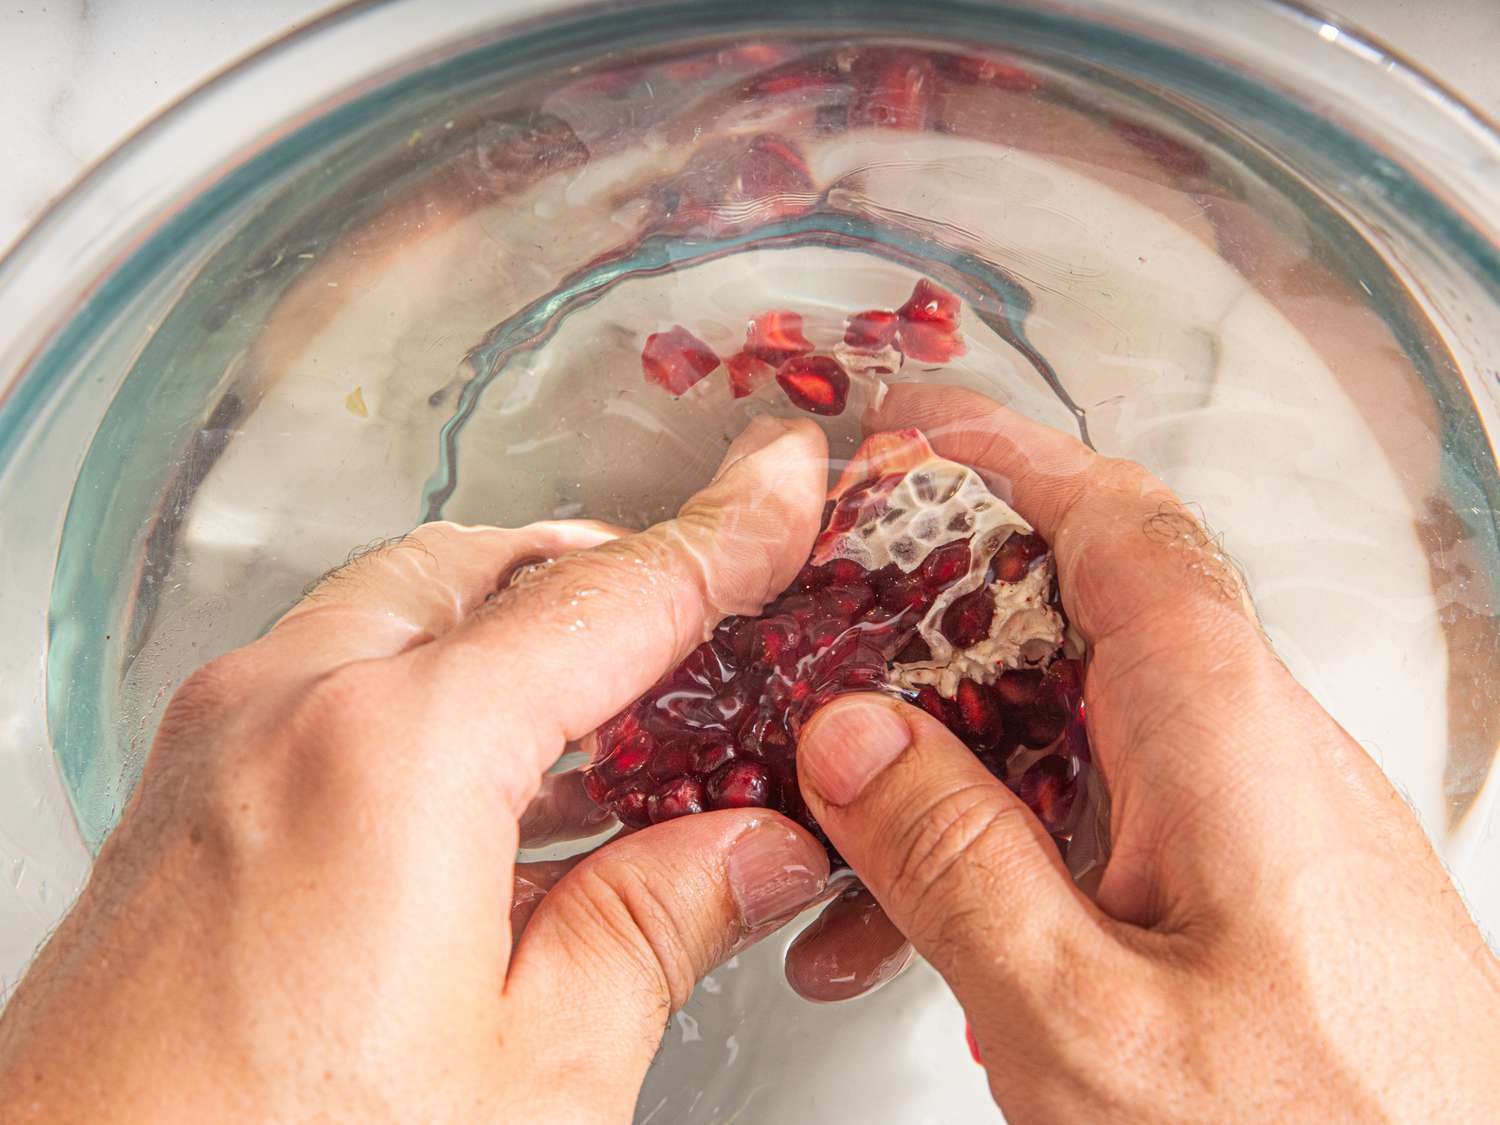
{"points": [[930, 303], [733, 182], [672, 760], [930, 700], [747, 374], [852, 599], [1000, 75], [841, 572], [967, 621], [1060, 691], [1039, 729], [929, 343], [979, 712], [1016, 555], [681, 797], [710, 757], [789, 81], [815, 383], [1050, 790], [1169, 152], [1017, 687], [742, 785], [632, 807], [915, 651], [776, 337], [947, 564], [893, 91], [676, 359], [597, 786], [633, 754], [873, 329], [905, 593], [778, 641], [775, 167]]}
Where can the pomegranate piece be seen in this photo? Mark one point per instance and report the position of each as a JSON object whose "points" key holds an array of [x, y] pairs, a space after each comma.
{"points": [[932, 304], [893, 90], [872, 329], [927, 324], [1050, 791], [1169, 152], [815, 383], [676, 359], [906, 592], [746, 373], [678, 797], [732, 183], [929, 343], [997, 73], [776, 337]]}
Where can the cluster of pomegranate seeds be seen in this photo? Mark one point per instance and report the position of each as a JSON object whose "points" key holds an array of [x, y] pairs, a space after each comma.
{"points": [[922, 584], [925, 328]]}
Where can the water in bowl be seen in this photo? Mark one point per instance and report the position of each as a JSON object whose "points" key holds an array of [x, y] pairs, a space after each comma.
{"points": [[464, 344]]}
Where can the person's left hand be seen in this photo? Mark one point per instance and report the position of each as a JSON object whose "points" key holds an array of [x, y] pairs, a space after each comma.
{"points": [[306, 909]]}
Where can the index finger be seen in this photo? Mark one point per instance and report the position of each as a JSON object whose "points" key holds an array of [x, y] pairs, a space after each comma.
{"points": [[571, 644], [1180, 679]]}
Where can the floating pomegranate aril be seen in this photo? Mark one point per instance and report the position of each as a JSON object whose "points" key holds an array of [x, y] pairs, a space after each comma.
{"points": [[815, 383], [735, 182], [776, 337], [923, 585], [997, 73], [676, 359], [927, 324], [932, 304], [747, 373], [872, 329], [892, 90]]}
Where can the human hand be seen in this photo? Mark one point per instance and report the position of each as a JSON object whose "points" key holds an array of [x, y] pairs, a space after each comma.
{"points": [[1272, 938], [305, 911]]}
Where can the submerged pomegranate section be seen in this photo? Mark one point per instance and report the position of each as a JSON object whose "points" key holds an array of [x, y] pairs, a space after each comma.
{"points": [[922, 584]]}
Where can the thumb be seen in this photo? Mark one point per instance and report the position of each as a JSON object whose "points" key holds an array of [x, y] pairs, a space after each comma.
{"points": [[624, 937], [958, 862]]}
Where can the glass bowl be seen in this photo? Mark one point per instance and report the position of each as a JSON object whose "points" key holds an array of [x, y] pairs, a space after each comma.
{"points": [[400, 265]]}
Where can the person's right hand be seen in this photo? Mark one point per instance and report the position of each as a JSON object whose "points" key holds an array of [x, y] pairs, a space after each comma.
{"points": [[1273, 937]]}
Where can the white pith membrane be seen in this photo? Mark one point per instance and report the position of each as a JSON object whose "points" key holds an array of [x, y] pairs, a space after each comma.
{"points": [[902, 520]]}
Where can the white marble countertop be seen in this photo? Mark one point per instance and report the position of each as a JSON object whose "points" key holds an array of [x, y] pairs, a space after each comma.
{"points": [[78, 76]]}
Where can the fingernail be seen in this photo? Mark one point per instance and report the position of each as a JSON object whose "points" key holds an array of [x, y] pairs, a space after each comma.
{"points": [[773, 873], [847, 745], [761, 432]]}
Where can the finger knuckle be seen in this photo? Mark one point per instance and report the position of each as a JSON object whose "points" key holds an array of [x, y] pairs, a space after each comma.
{"points": [[209, 695], [345, 707], [953, 851], [624, 923], [1119, 476]]}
